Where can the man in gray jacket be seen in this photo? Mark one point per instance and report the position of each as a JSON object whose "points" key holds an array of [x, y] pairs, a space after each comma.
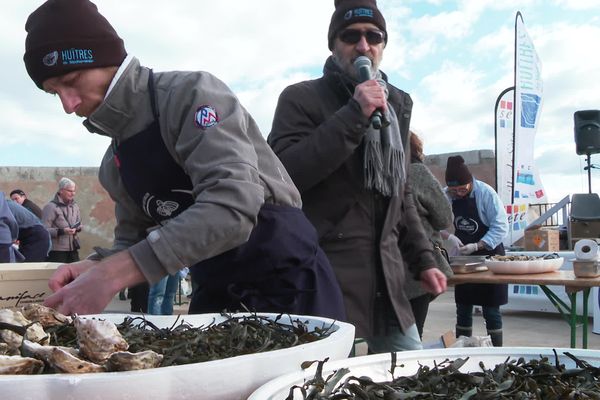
{"points": [[352, 178], [194, 182]]}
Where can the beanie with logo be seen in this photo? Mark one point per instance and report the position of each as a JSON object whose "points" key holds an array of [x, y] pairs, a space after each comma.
{"points": [[68, 35], [348, 12]]}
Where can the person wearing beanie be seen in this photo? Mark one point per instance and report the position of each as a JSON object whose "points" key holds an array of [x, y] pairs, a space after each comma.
{"points": [[480, 224], [194, 182], [352, 175], [20, 197]]}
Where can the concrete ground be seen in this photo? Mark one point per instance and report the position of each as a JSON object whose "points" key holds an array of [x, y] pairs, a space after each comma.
{"points": [[521, 328]]}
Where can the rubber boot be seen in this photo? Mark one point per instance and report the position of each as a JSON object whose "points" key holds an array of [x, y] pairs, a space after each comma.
{"points": [[464, 331], [496, 336]]}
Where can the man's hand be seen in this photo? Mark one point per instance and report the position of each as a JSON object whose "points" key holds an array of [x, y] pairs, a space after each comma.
{"points": [[87, 288], [468, 248], [370, 95], [434, 281], [66, 273]]}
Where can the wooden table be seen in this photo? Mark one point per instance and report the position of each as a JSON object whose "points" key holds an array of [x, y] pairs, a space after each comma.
{"points": [[571, 283]]}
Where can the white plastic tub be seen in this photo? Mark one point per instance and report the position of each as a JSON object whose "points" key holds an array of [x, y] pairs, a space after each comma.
{"points": [[377, 366], [231, 378]]}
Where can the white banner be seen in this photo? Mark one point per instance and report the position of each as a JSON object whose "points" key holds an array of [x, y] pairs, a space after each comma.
{"points": [[528, 104]]}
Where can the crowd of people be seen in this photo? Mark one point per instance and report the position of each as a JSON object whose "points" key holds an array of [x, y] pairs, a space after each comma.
{"points": [[334, 214]]}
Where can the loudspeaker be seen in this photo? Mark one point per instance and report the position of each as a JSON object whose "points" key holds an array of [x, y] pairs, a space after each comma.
{"points": [[587, 131]]}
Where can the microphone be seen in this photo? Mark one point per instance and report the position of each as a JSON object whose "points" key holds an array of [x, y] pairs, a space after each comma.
{"points": [[362, 64]]}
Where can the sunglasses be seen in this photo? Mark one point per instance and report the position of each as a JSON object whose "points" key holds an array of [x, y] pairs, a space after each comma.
{"points": [[353, 36]]}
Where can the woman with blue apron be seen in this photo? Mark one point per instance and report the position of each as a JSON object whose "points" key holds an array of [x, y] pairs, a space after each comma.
{"points": [[470, 229]]}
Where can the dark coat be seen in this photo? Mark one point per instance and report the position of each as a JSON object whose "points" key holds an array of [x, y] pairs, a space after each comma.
{"points": [[317, 132]]}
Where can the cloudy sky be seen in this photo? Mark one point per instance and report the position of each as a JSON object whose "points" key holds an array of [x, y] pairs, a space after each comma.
{"points": [[453, 57]]}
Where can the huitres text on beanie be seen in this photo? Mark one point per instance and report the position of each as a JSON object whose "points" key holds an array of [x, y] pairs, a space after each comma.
{"points": [[348, 12], [457, 173], [67, 35]]}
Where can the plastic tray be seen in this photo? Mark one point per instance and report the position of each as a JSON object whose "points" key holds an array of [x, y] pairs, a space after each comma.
{"points": [[230, 378], [525, 267], [377, 366]]}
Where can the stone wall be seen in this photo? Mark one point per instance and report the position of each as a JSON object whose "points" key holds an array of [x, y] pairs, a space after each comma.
{"points": [[41, 183], [97, 209]]}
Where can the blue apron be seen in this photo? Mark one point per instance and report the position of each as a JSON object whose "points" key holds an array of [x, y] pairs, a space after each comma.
{"points": [[281, 267], [470, 229]]}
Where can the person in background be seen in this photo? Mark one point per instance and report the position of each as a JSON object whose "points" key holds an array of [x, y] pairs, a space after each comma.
{"points": [[162, 295], [353, 179], [436, 214], [61, 216], [20, 197], [193, 180], [9, 231], [480, 222], [34, 239]]}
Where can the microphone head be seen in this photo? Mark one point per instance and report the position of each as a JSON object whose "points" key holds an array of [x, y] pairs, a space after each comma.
{"points": [[362, 61]]}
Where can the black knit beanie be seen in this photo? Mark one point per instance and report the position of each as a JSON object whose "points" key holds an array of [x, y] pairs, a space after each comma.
{"points": [[457, 173], [67, 35], [348, 12]]}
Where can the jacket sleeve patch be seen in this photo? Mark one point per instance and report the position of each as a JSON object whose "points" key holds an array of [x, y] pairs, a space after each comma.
{"points": [[206, 116]]}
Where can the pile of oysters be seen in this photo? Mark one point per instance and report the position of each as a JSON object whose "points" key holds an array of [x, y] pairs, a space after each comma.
{"points": [[25, 345]]}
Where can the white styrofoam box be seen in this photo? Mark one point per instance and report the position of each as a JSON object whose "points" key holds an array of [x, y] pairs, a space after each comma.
{"points": [[22, 283], [231, 378], [377, 366]]}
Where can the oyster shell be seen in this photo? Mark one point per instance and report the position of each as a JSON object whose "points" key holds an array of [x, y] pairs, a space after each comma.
{"points": [[126, 361], [44, 315], [59, 358], [98, 338], [20, 365], [62, 360], [34, 331]]}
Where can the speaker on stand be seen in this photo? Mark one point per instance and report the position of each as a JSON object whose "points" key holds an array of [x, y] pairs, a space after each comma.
{"points": [[587, 138]]}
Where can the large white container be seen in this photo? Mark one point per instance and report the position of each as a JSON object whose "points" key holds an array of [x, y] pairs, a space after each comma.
{"points": [[231, 378], [377, 366]]}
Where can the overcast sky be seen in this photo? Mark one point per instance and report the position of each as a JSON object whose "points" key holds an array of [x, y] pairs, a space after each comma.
{"points": [[453, 57]]}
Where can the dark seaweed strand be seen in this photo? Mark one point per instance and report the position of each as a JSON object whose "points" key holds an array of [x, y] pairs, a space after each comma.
{"points": [[537, 379]]}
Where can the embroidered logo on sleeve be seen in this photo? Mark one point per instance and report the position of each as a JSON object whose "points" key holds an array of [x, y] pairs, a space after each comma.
{"points": [[206, 116]]}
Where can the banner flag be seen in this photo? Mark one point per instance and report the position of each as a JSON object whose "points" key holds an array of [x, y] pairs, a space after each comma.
{"points": [[528, 96]]}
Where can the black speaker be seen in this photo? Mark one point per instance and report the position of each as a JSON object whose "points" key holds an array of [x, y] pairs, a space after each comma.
{"points": [[587, 131]]}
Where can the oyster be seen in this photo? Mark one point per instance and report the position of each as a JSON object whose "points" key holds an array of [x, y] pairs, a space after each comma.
{"points": [[33, 331], [126, 361], [98, 338], [59, 358], [44, 315], [62, 360], [20, 365]]}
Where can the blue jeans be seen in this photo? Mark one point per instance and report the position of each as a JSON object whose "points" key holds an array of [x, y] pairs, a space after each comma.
{"points": [[492, 316], [162, 295], [396, 340]]}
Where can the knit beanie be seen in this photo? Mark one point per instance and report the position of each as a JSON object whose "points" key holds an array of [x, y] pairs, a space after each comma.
{"points": [[348, 12], [457, 173], [68, 35]]}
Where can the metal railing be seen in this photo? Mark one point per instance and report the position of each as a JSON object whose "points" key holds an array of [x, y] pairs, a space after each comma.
{"points": [[552, 214]]}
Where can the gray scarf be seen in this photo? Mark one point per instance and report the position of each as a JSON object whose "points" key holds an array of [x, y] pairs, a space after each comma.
{"points": [[384, 156]]}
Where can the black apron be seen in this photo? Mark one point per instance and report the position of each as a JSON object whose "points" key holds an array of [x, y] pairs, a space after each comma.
{"points": [[281, 268], [470, 229]]}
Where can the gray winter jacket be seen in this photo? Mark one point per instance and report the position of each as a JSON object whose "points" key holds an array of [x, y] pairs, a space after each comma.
{"points": [[56, 216], [232, 169]]}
